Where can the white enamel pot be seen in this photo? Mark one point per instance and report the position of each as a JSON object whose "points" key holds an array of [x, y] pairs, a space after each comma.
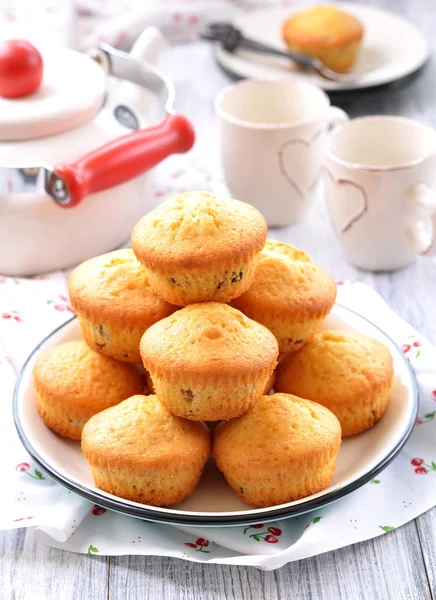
{"points": [[75, 156]]}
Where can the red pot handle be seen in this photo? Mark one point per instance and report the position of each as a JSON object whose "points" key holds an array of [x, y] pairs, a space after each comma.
{"points": [[121, 159]]}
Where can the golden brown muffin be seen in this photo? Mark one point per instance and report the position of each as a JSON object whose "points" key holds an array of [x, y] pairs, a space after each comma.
{"points": [[291, 295], [283, 449], [72, 383], [149, 382], [197, 247], [145, 378], [138, 450], [346, 371], [115, 304], [209, 361], [270, 383], [327, 33]]}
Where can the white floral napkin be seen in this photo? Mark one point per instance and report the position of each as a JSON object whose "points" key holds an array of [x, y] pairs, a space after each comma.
{"points": [[31, 308]]}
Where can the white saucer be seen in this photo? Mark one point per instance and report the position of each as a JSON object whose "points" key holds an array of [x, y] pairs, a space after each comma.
{"points": [[213, 503], [393, 47]]}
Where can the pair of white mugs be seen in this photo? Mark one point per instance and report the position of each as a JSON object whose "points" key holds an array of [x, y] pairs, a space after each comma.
{"points": [[279, 138]]}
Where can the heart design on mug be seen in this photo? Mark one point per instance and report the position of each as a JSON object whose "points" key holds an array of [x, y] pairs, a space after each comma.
{"points": [[360, 203], [294, 152]]}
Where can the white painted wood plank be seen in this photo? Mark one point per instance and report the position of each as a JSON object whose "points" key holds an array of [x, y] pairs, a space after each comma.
{"points": [[388, 567], [426, 525], [30, 571]]}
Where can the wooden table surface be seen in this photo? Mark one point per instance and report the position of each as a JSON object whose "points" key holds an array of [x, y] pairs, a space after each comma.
{"points": [[396, 566]]}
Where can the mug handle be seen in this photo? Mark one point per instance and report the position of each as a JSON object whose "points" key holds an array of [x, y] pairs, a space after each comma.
{"points": [[335, 116], [421, 232]]}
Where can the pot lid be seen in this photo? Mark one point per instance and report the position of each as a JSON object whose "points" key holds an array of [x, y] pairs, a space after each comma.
{"points": [[71, 92]]}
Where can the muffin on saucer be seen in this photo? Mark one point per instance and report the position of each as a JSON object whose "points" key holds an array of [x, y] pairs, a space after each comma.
{"points": [[327, 33], [115, 303], [208, 361], [139, 451], [72, 383], [197, 247], [346, 371], [290, 294], [283, 449]]}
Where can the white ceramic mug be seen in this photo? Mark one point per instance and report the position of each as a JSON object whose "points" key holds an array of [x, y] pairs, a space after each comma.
{"points": [[273, 135], [380, 177]]}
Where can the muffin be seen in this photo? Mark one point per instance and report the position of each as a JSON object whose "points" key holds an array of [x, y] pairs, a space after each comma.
{"points": [[197, 247], [327, 33], [149, 382], [346, 371], [208, 361], [145, 378], [291, 295], [115, 304], [270, 383], [72, 383], [139, 451], [284, 449]]}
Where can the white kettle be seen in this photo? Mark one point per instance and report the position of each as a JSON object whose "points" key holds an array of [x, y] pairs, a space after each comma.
{"points": [[75, 155]]}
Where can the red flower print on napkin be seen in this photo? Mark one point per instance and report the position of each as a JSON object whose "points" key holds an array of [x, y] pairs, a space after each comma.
{"points": [[199, 545], [270, 536], [13, 315], [98, 510], [421, 467], [412, 346], [61, 304], [25, 468]]}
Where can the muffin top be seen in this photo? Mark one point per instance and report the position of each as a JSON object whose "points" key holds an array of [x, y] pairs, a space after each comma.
{"points": [[208, 338], [287, 280], [196, 229], [76, 374], [141, 430], [115, 285], [278, 429], [336, 365], [323, 27]]}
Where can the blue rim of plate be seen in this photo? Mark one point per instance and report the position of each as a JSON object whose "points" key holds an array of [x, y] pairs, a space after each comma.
{"points": [[119, 505]]}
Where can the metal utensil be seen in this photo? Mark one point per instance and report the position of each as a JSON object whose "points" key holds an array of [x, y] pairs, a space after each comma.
{"points": [[232, 39]]}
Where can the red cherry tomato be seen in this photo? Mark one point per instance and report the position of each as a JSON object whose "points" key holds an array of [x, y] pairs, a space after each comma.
{"points": [[20, 69]]}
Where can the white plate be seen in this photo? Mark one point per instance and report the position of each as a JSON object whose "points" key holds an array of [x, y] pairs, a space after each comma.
{"points": [[392, 46], [213, 503]]}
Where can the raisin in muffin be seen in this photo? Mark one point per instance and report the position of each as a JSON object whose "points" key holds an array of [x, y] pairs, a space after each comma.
{"points": [[290, 294], [208, 361], [346, 371], [138, 450], [197, 247], [115, 303], [72, 383], [283, 449], [327, 33]]}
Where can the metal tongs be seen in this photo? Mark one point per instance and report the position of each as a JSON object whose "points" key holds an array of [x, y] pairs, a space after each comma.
{"points": [[232, 39]]}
